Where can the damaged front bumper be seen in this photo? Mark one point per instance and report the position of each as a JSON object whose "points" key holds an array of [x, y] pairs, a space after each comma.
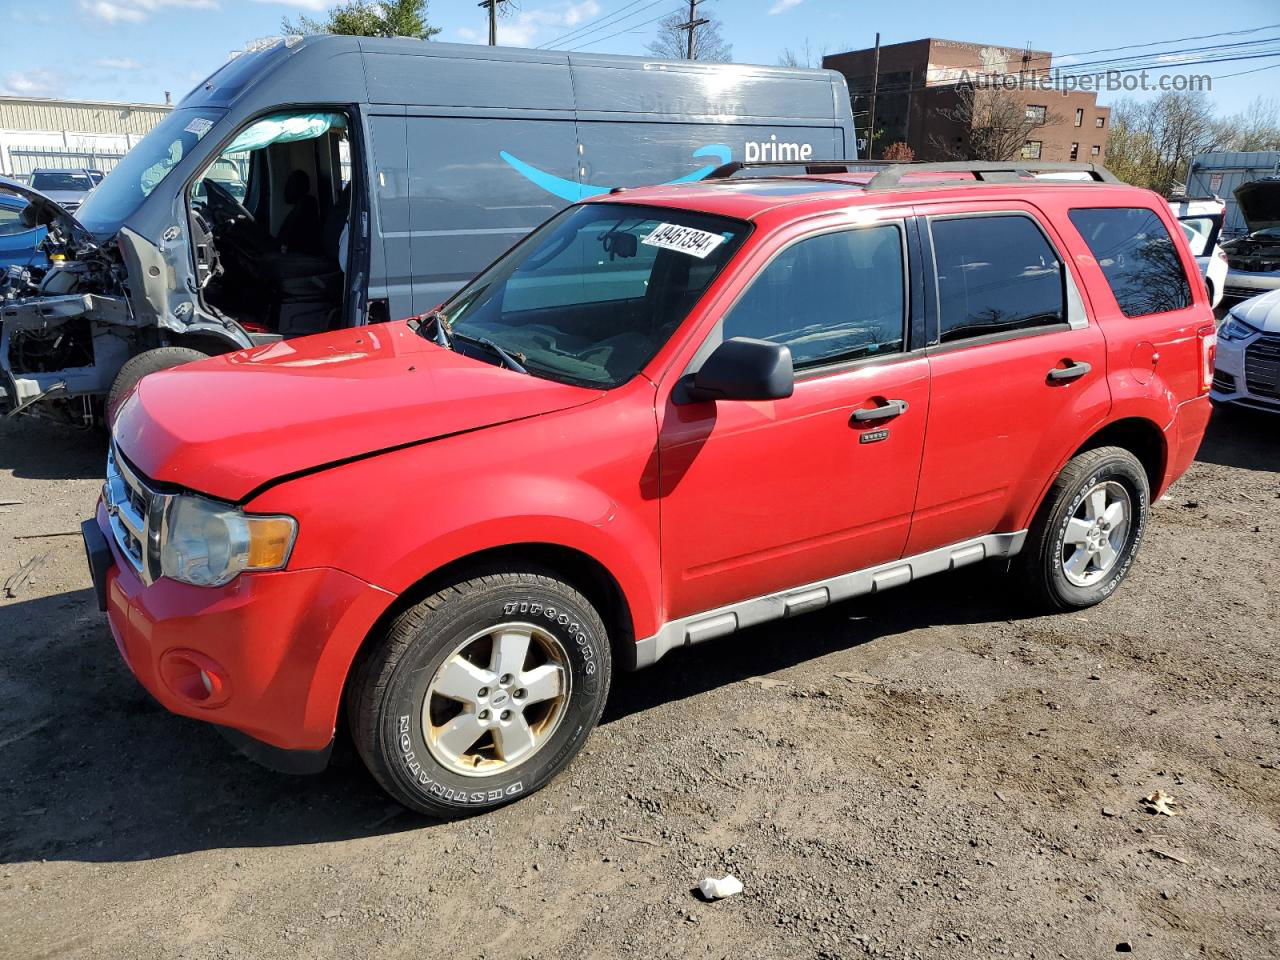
{"points": [[70, 345]]}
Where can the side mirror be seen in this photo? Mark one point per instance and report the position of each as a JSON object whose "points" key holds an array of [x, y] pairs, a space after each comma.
{"points": [[744, 369]]}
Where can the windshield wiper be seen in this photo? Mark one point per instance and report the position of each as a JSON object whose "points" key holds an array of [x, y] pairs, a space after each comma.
{"points": [[508, 361], [442, 335]]}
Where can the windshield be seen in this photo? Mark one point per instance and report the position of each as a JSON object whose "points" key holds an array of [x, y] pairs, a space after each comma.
{"points": [[143, 168], [595, 292], [54, 180]]}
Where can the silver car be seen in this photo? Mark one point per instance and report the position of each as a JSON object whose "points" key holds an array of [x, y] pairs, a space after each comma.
{"points": [[66, 188]]}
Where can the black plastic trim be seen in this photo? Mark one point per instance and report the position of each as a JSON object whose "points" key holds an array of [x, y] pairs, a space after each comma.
{"points": [[297, 762]]}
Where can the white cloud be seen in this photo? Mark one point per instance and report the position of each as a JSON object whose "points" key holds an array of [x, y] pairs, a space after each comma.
{"points": [[135, 11], [529, 26], [305, 4], [117, 63], [782, 6], [33, 83]]}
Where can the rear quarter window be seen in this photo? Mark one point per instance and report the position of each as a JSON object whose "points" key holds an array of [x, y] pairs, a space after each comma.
{"points": [[1137, 256]]}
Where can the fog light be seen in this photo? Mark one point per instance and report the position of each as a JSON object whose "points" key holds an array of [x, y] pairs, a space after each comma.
{"points": [[195, 678]]}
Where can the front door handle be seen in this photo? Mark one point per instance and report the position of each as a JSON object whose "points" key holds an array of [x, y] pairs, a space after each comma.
{"points": [[891, 409], [1067, 374]]}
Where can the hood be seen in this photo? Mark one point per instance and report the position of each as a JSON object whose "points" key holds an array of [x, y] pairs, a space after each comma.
{"points": [[1261, 313], [1259, 202], [227, 425], [44, 211]]}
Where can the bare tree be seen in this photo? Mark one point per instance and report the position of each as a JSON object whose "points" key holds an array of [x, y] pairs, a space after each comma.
{"points": [[899, 153], [1151, 144], [671, 42], [1257, 127], [995, 124], [804, 56]]}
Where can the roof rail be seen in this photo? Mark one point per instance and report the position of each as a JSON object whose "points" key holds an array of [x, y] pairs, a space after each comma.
{"points": [[989, 170], [727, 170]]}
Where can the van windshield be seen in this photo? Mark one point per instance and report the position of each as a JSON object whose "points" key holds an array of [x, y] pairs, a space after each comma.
{"points": [[144, 167], [594, 293]]}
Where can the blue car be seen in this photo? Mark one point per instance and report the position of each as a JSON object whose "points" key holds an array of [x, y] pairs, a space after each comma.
{"points": [[19, 243]]}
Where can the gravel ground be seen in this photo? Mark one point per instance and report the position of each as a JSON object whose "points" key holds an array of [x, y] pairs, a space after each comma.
{"points": [[929, 773]]}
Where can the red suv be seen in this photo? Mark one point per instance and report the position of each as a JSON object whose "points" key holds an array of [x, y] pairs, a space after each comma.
{"points": [[661, 417]]}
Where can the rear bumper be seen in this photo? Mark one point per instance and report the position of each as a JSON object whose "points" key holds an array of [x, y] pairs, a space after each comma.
{"points": [[266, 656], [1183, 437]]}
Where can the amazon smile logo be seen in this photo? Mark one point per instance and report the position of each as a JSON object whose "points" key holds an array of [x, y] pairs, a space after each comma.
{"points": [[571, 191]]}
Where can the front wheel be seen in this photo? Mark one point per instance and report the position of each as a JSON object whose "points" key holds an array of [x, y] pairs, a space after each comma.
{"points": [[137, 367], [481, 693], [1085, 538]]}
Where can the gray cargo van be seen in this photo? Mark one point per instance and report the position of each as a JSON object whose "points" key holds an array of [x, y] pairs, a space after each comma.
{"points": [[322, 182]]}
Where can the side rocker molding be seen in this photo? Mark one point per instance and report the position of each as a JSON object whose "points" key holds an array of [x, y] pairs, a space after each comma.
{"points": [[813, 596]]}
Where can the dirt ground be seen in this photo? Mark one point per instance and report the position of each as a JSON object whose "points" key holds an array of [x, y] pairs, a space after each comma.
{"points": [[928, 773]]}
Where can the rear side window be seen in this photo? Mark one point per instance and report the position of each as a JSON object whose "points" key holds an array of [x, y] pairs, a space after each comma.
{"points": [[1138, 258], [995, 274], [830, 298]]}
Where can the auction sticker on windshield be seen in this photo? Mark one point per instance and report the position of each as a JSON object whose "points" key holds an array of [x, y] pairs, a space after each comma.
{"points": [[672, 236]]}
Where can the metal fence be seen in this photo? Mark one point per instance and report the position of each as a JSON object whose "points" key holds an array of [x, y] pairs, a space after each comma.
{"points": [[23, 161]]}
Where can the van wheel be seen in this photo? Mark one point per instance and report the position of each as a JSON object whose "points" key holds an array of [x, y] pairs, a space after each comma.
{"points": [[1087, 533], [481, 693], [135, 368]]}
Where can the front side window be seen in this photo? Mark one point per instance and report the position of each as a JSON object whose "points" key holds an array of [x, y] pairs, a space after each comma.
{"points": [[1138, 258], [830, 298], [594, 293], [995, 274]]}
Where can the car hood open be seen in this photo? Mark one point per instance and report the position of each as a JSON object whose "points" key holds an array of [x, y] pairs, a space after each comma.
{"points": [[45, 210], [229, 425], [1259, 202]]}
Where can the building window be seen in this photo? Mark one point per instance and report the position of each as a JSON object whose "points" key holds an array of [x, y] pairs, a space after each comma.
{"points": [[1095, 150], [1031, 150], [1100, 122], [1079, 116], [1075, 151], [1036, 114]]}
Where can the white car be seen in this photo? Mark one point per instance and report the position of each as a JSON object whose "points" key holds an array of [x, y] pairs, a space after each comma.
{"points": [[1254, 260], [1201, 221], [1247, 372]]}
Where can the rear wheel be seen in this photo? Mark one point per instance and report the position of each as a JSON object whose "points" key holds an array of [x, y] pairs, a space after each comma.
{"points": [[481, 693], [1087, 533], [149, 361]]}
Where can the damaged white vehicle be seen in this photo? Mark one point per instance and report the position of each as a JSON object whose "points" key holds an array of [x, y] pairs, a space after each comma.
{"points": [[1253, 261]]}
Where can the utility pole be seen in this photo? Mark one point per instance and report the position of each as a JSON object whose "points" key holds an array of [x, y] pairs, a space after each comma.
{"points": [[493, 19], [693, 24], [875, 88]]}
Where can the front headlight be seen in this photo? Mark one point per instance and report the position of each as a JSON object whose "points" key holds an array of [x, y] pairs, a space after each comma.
{"points": [[207, 544], [1233, 328]]}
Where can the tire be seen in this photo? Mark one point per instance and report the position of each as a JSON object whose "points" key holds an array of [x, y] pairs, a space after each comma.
{"points": [[1050, 562], [135, 368], [414, 739]]}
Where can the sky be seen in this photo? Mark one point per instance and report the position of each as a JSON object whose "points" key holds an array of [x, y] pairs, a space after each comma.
{"points": [[135, 50]]}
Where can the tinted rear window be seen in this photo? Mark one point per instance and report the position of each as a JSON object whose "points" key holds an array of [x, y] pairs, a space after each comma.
{"points": [[1138, 258], [995, 274]]}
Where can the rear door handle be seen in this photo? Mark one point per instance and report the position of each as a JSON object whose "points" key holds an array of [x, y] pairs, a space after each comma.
{"points": [[1073, 372], [893, 408]]}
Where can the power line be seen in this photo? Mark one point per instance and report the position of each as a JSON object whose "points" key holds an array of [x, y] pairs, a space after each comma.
{"points": [[591, 23], [591, 43], [603, 23]]}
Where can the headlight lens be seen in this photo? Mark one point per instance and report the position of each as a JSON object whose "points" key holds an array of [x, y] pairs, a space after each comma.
{"points": [[207, 544], [1233, 328]]}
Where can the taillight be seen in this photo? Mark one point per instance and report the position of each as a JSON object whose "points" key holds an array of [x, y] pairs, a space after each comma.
{"points": [[1208, 337]]}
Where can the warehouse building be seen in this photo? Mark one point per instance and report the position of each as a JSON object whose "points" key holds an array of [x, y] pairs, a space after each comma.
{"points": [[40, 132], [916, 99]]}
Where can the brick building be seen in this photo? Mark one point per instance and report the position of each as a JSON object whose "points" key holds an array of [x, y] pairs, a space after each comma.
{"points": [[918, 86]]}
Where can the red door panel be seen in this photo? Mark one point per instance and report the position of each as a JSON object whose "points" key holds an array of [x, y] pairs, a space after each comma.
{"points": [[758, 497]]}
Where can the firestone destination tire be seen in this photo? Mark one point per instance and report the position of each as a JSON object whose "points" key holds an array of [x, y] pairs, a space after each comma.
{"points": [[481, 693]]}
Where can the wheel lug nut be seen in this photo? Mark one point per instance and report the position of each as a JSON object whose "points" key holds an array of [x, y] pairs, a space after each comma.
{"points": [[504, 679], [520, 694], [484, 714], [482, 692], [505, 715]]}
